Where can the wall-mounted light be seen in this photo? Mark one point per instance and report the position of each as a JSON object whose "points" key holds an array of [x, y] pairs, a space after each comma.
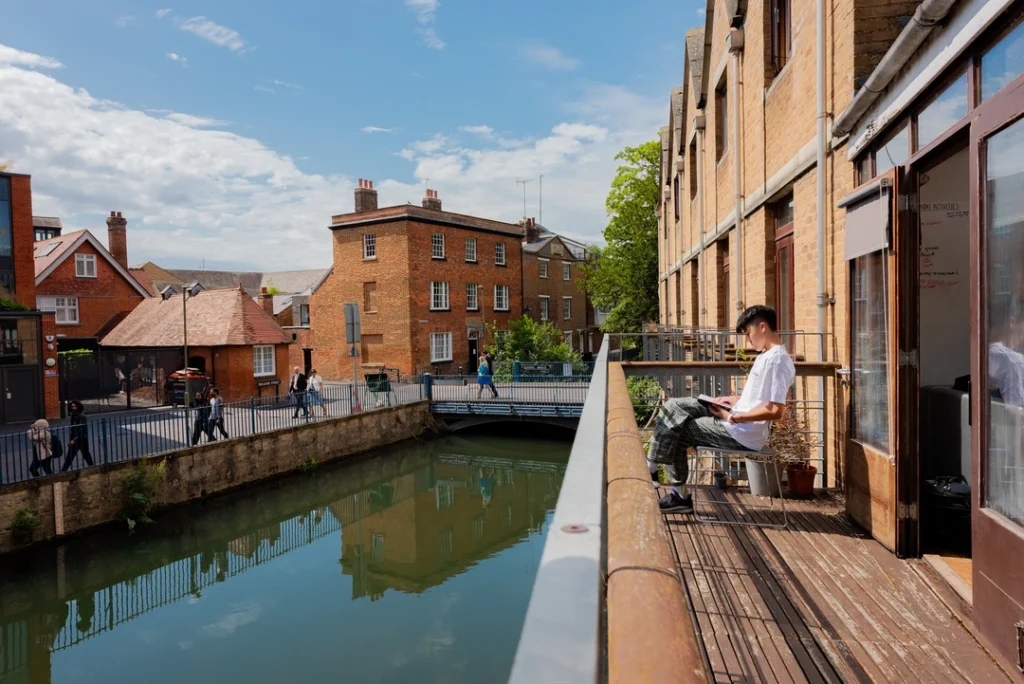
{"points": [[51, 362]]}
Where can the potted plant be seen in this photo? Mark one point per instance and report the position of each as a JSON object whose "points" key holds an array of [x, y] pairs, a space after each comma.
{"points": [[721, 479], [793, 442]]}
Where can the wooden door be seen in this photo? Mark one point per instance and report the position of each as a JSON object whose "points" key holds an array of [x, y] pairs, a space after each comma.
{"points": [[997, 364], [873, 441]]}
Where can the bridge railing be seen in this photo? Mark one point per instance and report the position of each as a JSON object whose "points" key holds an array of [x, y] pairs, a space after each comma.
{"points": [[561, 637], [116, 438], [535, 390], [710, 344]]}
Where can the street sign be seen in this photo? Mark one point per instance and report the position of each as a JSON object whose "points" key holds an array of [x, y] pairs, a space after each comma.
{"points": [[352, 330]]}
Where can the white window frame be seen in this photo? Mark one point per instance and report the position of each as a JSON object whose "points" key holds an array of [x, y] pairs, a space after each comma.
{"points": [[442, 353], [498, 290], [260, 354], [369, 245], [472, 297], [568, 337], [545, 308], [437, 246], [471, 250], [543, 268], [499, 254], [439, 296], [83, 264], [566, 308], [64, 308], [566, 271]]}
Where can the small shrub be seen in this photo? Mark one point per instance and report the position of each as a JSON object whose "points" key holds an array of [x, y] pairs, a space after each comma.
{"points": [[138, 489], [309, 465], [25, 523], [644, 392], [791, 437]]}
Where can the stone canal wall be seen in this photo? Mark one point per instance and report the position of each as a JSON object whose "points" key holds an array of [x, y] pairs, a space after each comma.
{"points": [[70, 503]]}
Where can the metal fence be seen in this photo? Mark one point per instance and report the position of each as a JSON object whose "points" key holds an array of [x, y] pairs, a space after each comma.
{"points": [[116, 380], [130, 436], [709, 345], [537, 390]]}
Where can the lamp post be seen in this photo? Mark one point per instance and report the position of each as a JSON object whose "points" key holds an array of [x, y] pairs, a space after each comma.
{"points": [[184, 330]]}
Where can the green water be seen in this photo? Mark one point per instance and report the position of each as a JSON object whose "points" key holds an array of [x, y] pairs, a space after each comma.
{"points": [[415, 565]]}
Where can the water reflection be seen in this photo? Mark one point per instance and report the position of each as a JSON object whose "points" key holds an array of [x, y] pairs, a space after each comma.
{"points": [[252, 573]]}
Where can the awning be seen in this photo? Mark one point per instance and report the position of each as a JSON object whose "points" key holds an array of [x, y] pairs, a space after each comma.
{"points": [[868, 219]]}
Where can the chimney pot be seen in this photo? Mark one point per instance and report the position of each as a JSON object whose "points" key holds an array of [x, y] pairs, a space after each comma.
{"points": [[431, 200], [366, 196], [112, 213]]}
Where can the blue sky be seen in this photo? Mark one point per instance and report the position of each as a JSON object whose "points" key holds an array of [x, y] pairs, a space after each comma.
{"points": [[231, 131]]}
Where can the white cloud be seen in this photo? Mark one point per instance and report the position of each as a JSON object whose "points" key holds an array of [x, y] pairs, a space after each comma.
{"points": [[242, 615], [377, 129], [124, 22], [214, 33], [285, 84], [483, 131], [701, 11], [174, 57], [13, 57], [191, 189], [161, 13], [264, 89], [487, 133], [426, 10], [548, 56], [426, 14]]}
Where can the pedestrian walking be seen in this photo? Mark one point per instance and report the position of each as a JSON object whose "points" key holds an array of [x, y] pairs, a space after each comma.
{"points": [[297, 388], [316, 391], [201, 425], [42, 448], [79, 440], [489, 360], [217, 414]]}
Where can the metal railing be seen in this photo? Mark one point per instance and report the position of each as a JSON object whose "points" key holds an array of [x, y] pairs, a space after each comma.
{"points": [[810, 397], [538, 390], [138, 434], [709, 344], [561, 637]]}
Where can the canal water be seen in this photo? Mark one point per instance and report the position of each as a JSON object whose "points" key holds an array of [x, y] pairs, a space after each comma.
{"points": [[415, 565]]}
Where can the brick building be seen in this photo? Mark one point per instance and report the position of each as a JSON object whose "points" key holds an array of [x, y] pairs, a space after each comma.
{"points": [[88, 287], [239, 346], [552, 287], [28, 350], [428, 283], [890, 225]]}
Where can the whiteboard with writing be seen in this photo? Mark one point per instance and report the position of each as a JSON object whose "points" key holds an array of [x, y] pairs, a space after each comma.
{"points": [[944, 265]]}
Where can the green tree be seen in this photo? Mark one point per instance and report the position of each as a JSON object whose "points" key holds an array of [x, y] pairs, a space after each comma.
{"points": [[623, 276], [529, 340]]}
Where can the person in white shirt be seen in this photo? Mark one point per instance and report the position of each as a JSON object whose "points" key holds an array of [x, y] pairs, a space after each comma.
{"points": [[316, 388], [738, 423]]}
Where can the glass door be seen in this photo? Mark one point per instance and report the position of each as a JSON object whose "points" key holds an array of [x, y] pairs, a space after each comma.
{"points": [[997, 369]]}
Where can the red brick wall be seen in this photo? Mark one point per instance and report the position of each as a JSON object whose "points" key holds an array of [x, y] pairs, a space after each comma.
{"points": [[99, 298], [458, 273], [304, 339], [23, 236], [232, 371], [555, 287]]}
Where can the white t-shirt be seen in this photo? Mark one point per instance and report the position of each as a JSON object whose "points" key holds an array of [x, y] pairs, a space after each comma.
{"points": [[769, 381], [316, 383]]}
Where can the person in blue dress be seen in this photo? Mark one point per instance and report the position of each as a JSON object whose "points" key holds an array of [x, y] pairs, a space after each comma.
{"points": [[483, 377]]}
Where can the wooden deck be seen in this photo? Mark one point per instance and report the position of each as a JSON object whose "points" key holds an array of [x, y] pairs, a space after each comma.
{"points": [[818, 602]]}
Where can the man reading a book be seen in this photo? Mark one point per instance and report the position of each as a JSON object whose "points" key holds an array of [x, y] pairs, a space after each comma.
{"points": [[733, 423]]}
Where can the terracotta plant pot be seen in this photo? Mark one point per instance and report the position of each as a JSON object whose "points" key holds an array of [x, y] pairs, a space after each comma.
{"points": [[801, 479]]}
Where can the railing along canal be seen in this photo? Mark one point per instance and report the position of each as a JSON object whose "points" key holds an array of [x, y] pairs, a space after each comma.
{"points": [[561, 637]]}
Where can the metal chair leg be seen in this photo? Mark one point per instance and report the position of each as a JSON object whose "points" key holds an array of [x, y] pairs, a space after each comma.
{"points": [[704, 520]]}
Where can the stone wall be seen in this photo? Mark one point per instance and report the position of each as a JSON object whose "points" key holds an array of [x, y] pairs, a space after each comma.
{"points": [[77, 501]]}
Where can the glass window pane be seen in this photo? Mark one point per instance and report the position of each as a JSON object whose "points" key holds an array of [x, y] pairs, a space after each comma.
{"points": [[1004, 464], [894, 152], [942, 113], [870, 328], [1003, 63]]}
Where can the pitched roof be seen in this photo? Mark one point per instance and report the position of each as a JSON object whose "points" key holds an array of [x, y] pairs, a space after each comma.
{"points": [[695, 57], [145, 280], [288, 282], [216, 318], [294, 282], [51, 253], [46, 222], [217, 280]]}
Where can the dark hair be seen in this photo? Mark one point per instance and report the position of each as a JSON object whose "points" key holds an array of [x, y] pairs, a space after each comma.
{"points": [[757, 314]]}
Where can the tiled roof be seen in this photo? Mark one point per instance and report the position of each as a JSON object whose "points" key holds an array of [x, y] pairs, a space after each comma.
{"points": [[536, 247], [216, 280], [46, 222], [144, 280], [695, 55], [216, 318], [294, 282], [51, 251]]}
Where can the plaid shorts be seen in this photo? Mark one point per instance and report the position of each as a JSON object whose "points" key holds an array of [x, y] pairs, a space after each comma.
{"points": [[685, 423]]}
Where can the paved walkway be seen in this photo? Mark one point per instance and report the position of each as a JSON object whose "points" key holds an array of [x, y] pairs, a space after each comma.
{"points": [[819, 602]]}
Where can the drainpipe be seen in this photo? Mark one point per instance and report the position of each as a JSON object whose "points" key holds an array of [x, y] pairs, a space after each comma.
{"points": [[698, 124], [822, 294], [928, 14], [734, 43]]}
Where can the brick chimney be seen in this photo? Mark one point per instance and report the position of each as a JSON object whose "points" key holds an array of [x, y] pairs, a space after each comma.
{"points": [[266, 301], [431, 201], [366, 196], [117, 238], [530, 229]]}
